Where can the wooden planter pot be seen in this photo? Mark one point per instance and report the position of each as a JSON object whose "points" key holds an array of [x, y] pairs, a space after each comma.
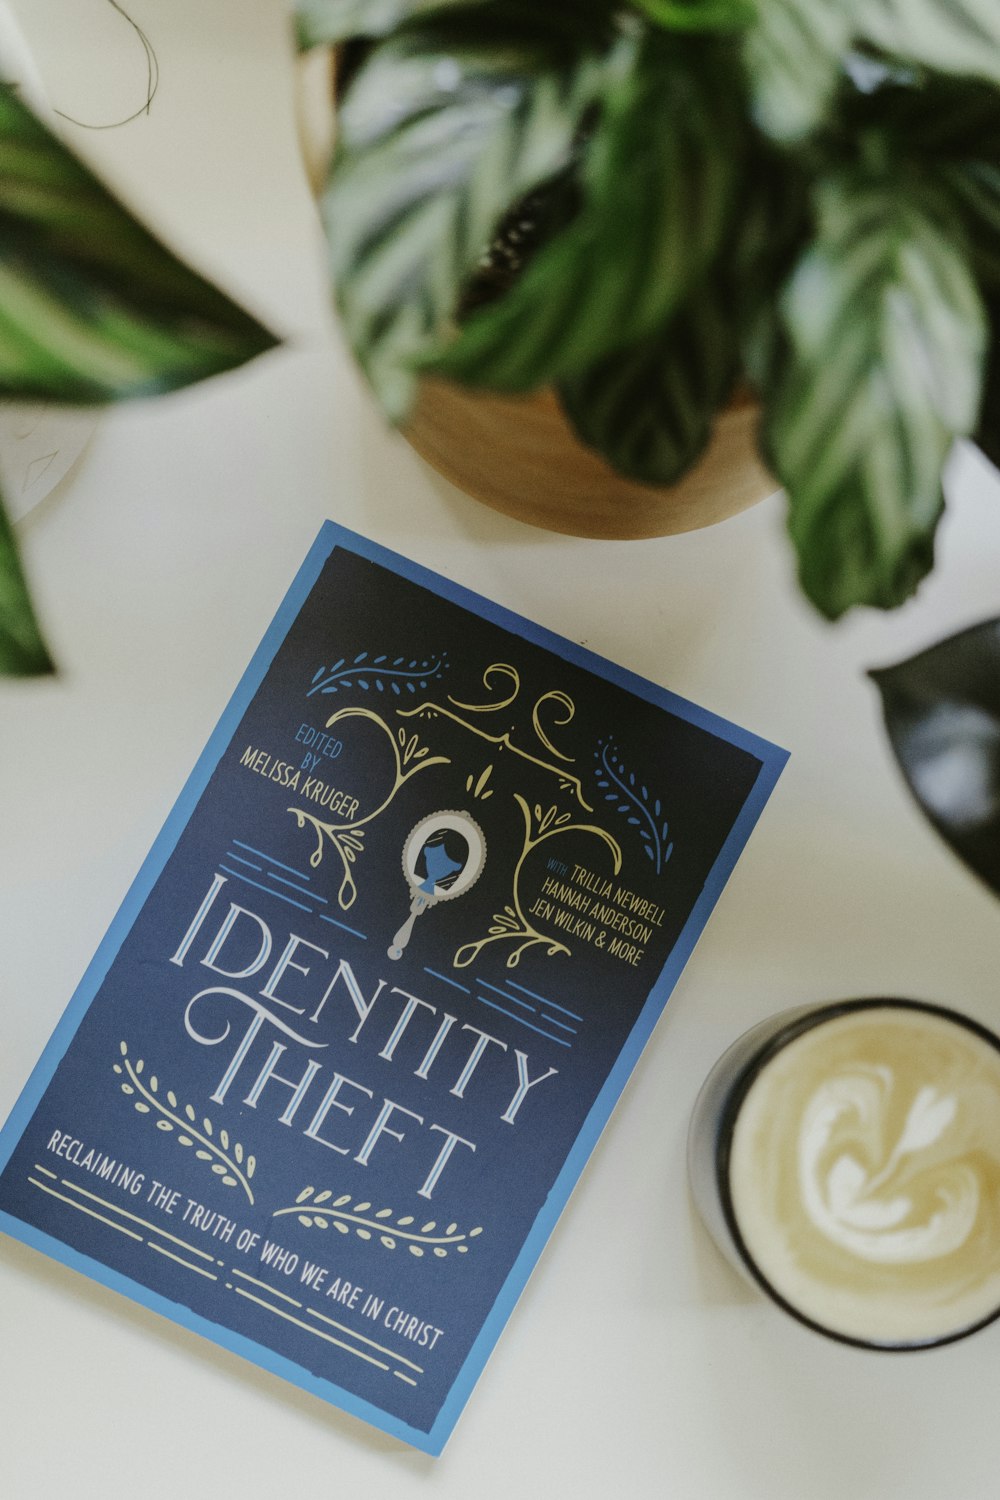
{"points": [[520, 456]]}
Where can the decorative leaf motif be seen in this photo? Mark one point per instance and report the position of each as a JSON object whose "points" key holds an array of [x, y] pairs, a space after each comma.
{"points": [[942, 713], [441, 129], [412, 675], [620, 792], [206, 1150], [884, 337], [383, 1225], [477, 786]]}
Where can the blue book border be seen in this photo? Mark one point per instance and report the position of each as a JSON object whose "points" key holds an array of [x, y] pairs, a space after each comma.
{"points": [[772, 760]]}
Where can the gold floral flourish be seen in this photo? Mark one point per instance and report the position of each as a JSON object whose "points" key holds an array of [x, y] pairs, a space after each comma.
{"points": [[409, 758], [511, 925], [315, 1210], [429, 710], [230, 1164]]}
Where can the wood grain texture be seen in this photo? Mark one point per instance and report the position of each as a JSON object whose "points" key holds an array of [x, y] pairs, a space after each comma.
{"points": [[519, 455]]}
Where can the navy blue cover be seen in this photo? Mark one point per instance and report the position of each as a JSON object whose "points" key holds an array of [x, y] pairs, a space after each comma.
{"points": [[340, 1059]]}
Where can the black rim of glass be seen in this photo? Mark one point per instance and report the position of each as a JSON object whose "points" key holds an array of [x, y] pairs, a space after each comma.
{"points": [[797, 1025]]}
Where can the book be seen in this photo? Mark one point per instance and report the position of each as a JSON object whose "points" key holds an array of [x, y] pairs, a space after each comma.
{"points": [[347, 1046]]}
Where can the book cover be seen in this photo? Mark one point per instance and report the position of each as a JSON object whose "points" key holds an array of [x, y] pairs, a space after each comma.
{"points": [[346, 1047]]}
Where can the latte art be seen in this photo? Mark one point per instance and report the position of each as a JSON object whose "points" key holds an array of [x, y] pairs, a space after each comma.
{"points": [[875, 1211], [864, 1174]]}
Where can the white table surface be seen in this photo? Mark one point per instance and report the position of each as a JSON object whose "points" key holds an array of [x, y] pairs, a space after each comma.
{"points": [[636, 1363]]}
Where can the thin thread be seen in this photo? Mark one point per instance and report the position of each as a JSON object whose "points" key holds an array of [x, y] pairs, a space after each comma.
{"points": [[152, 79]]}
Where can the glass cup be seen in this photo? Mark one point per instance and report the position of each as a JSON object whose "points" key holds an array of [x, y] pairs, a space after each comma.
{"points": [[846, 1159]]}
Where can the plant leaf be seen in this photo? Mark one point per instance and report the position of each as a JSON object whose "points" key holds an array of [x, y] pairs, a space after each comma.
{"points": [[321, 22], [442, 128], [884, 340], [797, 51], [649, 409], [697, 15], [950, 128], [658, 182], [942, 715], [22, 651], [92, 307], [950, 36], [793, 55]]}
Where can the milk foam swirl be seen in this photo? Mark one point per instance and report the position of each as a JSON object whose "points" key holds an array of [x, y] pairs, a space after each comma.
{"points": [[864, 1174], [858, 1200]]}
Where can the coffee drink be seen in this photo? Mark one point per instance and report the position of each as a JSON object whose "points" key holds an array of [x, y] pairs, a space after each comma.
{"points": [[849, 1159]]}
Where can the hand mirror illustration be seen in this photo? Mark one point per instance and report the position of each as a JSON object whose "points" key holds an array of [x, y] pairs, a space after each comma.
{"points": [[442, 857]]}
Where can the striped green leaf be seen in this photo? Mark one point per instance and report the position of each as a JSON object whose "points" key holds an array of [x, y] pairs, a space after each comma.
{"points": [[697, 15], [658, 183], [649, 409], [951, 36], [884, 337], [796, 51], [321, 22], [948, 128], [22, 650], [92, 307], [975, 186], [793, 53], [442, 129]]}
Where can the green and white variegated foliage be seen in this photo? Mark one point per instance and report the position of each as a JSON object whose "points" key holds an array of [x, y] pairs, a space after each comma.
{"points": [[92, 309], [884, 338], [802, 195], [798, 50], [322, 22], [434, 141], [657, 200]]}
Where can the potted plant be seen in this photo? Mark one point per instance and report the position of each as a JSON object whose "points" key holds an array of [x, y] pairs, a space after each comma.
{"points": [[643, 209]]}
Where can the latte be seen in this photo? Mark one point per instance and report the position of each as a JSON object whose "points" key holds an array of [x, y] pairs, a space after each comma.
{"points": [[858, 1169]]}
